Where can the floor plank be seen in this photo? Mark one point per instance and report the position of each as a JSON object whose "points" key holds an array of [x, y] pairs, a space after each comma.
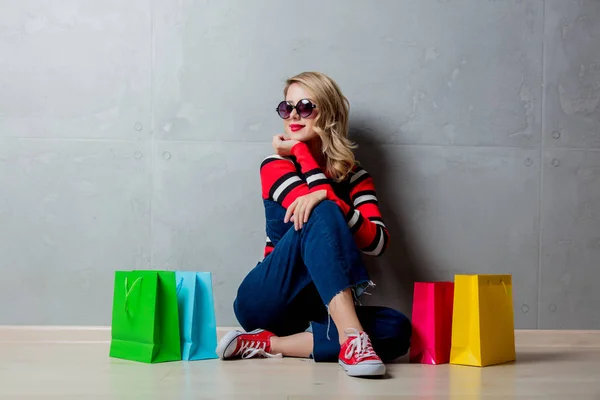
{"points": [[84, 370]]}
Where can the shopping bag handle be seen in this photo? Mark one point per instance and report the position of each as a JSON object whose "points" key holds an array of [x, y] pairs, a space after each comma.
{"points": [[503, 285], [179, 285], [128, 290]]}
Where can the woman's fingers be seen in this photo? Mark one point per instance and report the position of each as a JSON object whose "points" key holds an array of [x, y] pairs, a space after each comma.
{"points": [[298, 216], [307, 211], [301, 216], [299, 211], [290, 211]]}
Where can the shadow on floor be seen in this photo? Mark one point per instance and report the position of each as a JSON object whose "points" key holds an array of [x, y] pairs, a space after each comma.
{"points": [[537, 356], [527, 357]]}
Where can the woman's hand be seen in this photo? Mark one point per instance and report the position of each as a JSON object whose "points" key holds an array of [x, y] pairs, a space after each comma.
{"points": [[283, 146], [299, 211]]}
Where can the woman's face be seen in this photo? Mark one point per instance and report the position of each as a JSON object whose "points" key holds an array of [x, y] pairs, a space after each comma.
{"points": [[297, 127]]}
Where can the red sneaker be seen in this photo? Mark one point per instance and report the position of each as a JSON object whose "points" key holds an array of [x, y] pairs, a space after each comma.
{"points": [[236, 344], [357, 356]]}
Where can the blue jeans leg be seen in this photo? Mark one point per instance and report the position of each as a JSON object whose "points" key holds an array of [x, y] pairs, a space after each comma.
{"points": [[320, 260], [390, 332]]}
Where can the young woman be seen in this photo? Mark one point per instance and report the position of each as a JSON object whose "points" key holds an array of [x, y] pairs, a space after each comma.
{"points": [[321, 215]]}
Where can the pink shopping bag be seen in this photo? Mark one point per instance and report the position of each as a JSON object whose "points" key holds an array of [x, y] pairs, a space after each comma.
{"points": [[432, 322]]}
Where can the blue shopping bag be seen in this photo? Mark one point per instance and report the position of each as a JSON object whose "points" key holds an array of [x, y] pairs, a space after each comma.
{"points": [[197, 322]]}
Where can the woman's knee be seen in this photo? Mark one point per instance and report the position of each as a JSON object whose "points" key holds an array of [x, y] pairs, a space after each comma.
{"points": [[249, 317], [327, 207], [253, 313], [330, 214]]}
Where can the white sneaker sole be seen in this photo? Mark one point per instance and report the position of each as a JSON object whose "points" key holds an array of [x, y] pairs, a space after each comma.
{"points": [[363, 369], [224, 349]]}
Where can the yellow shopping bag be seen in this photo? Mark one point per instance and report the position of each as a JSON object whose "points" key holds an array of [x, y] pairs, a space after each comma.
{"points": [[483, 330]]}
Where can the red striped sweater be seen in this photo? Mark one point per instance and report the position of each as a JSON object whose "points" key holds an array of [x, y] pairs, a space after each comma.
{"points": [[286, 178]]}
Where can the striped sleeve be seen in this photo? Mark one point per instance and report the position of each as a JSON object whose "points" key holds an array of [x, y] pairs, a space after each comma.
{"points": [[280, 181], [315, 178], [365, 220]]}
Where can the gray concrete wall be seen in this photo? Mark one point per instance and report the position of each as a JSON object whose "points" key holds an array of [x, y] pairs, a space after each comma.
{"points": [[131, 135]]}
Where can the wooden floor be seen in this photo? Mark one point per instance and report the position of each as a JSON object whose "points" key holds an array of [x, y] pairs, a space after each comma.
{"points": [[45, 365]]}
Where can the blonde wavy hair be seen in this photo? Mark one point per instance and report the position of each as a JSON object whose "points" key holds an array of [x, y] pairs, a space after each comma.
{"points": [[331, 123]]}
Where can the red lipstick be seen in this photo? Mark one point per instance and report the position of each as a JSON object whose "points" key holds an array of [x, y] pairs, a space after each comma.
{"points": [[296, 127]]}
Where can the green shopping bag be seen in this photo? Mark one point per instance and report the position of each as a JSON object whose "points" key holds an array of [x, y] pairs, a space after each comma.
{"points": [[145, 319]]}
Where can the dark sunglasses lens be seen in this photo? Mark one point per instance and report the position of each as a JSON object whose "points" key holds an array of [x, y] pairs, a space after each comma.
{"points": [[284, 110], [304, 108]]}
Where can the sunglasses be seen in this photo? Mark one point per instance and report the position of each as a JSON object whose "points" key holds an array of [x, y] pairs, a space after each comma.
{"points": [[304, 108]]}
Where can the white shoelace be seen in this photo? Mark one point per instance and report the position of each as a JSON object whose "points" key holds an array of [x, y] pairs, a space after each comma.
{"points": [[251, 349], [360, 345]]}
